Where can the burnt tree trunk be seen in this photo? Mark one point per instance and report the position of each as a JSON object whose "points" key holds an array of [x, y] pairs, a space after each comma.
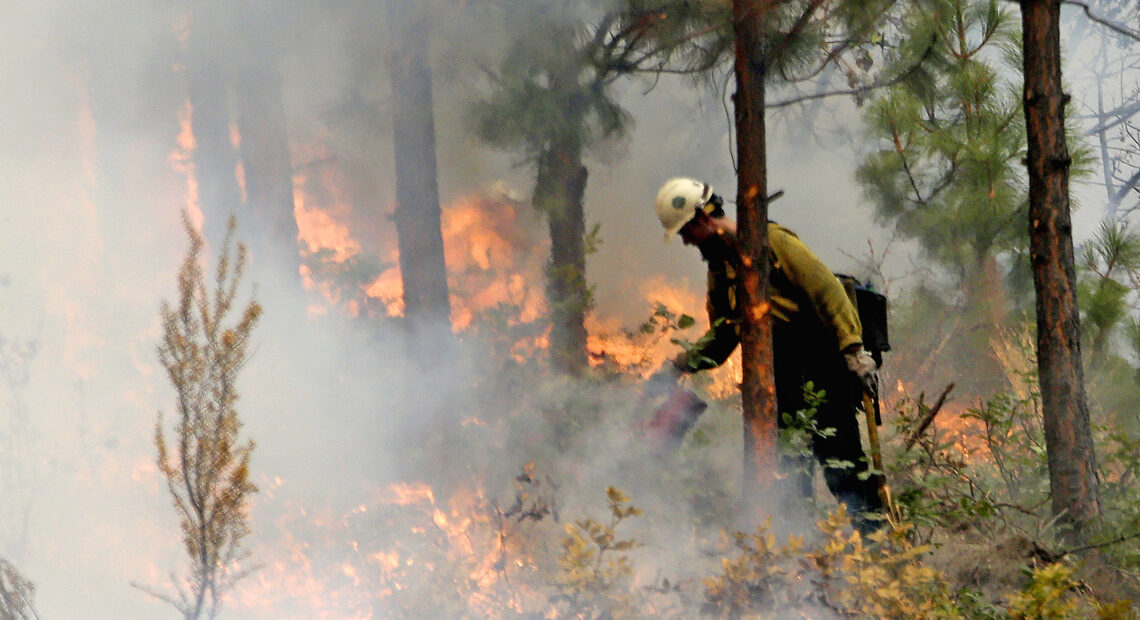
{"points": [[758, 390], [427, 307], [215, 160], [268, 169], [264, 145], [1068, 438], [560, 193]]}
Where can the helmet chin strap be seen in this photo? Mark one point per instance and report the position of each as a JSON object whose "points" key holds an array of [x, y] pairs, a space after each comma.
{"points": [[714, 204]]}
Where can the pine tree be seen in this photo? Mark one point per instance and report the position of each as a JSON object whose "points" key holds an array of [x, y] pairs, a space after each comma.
{"points": [[205, 464], [551, 101], [947, 168], [1073, 481], [1110, 265], [550, 105], [777, 43]]}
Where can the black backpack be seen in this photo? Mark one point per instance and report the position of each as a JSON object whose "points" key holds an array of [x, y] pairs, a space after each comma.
{"points": [[872, 308]]}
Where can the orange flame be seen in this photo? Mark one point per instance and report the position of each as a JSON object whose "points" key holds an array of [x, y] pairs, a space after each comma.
{"points": [[182, 161], [494, 256], [239, 165], [491, 251], [402, 548]]}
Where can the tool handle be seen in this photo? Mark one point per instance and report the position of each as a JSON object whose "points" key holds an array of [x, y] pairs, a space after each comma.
{"points": [[871, 410]]}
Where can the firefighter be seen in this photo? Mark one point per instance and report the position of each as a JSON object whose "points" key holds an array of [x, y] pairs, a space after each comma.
{"points": [[816, 337]]}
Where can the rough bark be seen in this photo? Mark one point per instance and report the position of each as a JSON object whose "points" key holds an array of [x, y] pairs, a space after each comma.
{"points": [[758, 390], [417, 215], [1068, 438], [559, 193]]}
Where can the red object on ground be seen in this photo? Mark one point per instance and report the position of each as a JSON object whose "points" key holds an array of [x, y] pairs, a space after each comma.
{"points": [[673, 419]]}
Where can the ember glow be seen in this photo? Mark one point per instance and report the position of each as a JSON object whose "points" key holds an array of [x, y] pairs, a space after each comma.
{"points": [[389, 556]]}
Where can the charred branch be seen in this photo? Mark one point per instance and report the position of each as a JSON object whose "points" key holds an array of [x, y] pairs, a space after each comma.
{"points": [[1111, 25], [927, 417]]}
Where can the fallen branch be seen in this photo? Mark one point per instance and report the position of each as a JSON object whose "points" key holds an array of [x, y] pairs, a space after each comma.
{"points": [[927, 418], [1099, 545]]}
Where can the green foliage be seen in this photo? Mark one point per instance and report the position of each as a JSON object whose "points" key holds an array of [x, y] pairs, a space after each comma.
{"points": [[689, 37], [1109, 266], [989, 478], [980, 478], [545, 92], [800, 428], [1119, 450], [947, 170], [205, 466], [691, 347], [663, 321]]}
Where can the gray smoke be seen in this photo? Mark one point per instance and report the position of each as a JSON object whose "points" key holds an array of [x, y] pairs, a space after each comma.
{"points": [[90, 95]]}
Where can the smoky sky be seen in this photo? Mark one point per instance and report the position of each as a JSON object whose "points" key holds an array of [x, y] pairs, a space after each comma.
{"points": [[90, 201]]}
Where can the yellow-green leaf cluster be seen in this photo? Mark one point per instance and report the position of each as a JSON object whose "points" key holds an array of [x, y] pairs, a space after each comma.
{"points": [[1049, 595], [205, 464], [592, 582], [880, 578]]}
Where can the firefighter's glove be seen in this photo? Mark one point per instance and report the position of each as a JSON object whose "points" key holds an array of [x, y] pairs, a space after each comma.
{"points": [[860, 362], [663, 381]]}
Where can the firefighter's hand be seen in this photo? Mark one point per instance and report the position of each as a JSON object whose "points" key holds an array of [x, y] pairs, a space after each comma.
{"points": [[860, 362], [662, 381]]}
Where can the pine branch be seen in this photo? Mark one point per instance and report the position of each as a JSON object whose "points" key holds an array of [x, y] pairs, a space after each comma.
{"points": [[862, 90]]}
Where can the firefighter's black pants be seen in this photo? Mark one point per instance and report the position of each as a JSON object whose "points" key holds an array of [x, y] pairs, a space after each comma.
{"points": [[805, 353]]}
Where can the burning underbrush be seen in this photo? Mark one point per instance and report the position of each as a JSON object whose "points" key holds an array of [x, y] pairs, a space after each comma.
{"points": [[479, 542], [506, 518], [403, 553]]}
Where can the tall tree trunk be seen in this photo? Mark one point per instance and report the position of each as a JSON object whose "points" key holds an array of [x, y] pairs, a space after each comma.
{"points": [[560, 193], [215, 161], [758, 390], [426, 304], [1068, 438], [265, 144], [268, 168]]}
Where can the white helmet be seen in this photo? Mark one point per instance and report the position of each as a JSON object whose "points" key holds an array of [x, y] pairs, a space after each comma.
{"points": [[678, 200]]}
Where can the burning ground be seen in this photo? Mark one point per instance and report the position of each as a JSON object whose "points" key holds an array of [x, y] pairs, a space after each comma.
{"points": [[95, 181], [384, 491]]}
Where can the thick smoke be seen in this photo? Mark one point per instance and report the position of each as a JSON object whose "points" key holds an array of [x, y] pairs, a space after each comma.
{"points": [[91, 196]]}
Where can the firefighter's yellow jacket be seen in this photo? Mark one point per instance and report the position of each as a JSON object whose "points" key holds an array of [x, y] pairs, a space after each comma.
{"points": [[802, 291]]}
